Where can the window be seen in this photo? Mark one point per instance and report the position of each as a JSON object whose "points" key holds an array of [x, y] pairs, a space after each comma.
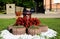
{"points": [[10, 7]]}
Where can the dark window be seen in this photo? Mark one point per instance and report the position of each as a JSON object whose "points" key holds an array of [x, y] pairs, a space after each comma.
{"points": [[10, 7]]}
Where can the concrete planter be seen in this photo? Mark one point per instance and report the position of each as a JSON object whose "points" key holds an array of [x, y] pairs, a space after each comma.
{"points": [[34, 31], [43, 28], [10, 27], [18, 30]]}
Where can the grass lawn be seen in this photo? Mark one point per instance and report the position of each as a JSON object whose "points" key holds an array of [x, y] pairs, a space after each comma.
{"points": [[53, 23], [6, 22]]}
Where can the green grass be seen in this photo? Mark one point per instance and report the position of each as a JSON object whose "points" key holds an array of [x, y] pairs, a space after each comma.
{"points": [[53, 23], [6, 22]]}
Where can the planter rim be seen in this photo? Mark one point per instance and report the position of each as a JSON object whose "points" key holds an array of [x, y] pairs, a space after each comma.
{"points": [[18, 26], [34, 27]]}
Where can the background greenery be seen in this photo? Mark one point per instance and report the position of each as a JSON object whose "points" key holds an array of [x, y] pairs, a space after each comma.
{"points": [[53, 23], [22, 3]]}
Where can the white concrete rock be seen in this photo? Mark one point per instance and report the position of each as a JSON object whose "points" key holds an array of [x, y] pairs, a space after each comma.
{"points": [[7, 35]]}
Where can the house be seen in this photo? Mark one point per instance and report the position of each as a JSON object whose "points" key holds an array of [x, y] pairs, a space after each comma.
{"points": [[48, 5], [42, 6], [52, 5]]}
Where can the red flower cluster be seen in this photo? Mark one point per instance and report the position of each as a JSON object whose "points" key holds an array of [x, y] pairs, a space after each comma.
{"points": [[35, 21], [27, 21], [19, 21]]}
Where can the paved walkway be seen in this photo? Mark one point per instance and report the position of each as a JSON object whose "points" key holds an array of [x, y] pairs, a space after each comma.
{"points": [[33, 15]]}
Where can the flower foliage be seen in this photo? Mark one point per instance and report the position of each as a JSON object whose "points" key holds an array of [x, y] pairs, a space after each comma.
{"points": [[27, 22], [18, 13]]}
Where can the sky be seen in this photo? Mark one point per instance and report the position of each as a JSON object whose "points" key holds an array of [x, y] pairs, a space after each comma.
{"points": [[56, 1]]}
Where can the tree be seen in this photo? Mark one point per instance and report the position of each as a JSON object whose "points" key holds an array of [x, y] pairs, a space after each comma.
{"points": [[29, 3], [23, 3], [4, 2]]}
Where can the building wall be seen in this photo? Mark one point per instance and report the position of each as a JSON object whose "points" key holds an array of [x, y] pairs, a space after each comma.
{"points": [[10, 8], [49, 4]]}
